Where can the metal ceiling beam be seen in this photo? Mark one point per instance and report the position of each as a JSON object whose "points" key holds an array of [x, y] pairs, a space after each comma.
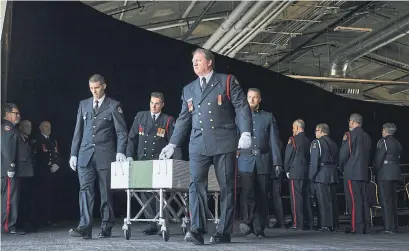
{"points": [[331, 27], [178, 24], [349, 80], [198, 20]]}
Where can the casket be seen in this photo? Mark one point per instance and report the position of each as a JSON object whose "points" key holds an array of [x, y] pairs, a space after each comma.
{"points": [[155, 174]]}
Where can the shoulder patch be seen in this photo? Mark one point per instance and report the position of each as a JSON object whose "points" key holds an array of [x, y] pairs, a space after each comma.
{"points": [[119, 109], [7, 128]]}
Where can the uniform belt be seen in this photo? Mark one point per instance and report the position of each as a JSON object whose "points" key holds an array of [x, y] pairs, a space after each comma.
{"points": [[251, 151], [389, 162]]}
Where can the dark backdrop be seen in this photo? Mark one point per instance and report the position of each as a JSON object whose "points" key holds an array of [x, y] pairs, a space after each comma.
{"points": [[57, 46]]}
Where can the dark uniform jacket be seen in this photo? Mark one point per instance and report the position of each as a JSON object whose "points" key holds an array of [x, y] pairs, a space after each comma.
{"points": [[324, 161], [386, 163], [103, 134], [212, 116], [9, 145], [47, 153], [264, 153], [147, 138], [24, 157], [297, 156], [354, 155]]}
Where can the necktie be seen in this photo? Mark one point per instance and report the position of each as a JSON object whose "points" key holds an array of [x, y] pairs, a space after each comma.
{"points": [[203, 83], [153, 118], [96, 106]]}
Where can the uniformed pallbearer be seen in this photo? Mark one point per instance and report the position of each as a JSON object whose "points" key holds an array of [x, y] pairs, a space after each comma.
{"points": [[255, 166], [296, 163], [150, 132], [210, 105], [388, 173], [323, 174], [10, 173], [354, 164], [100, 120]]}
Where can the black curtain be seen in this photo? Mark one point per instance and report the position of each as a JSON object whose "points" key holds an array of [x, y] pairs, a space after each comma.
{"points": [[57, 46]]}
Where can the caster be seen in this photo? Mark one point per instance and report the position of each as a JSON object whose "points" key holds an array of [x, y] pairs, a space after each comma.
{"points": [[127, 233], [184, 230], [165, 235]]}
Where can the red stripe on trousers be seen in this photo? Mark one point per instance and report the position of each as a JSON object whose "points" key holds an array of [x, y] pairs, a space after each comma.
{"points": [[353, 204], [294, 207], [6, 224]]}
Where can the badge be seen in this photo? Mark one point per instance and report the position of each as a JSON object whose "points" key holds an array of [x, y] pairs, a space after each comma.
{"points": [[219, 99], [44, 148], [119, 109], [141, 130], [160, 132], [190, 104], [345, 137], [7, 128]]}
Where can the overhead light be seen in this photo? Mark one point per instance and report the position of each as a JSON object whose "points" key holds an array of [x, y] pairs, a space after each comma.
{"points": [[348, 28]]}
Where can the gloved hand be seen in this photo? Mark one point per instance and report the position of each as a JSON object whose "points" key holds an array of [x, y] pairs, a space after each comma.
{"points": [[129, 159], [73, 163], [120, 157], [245, 140], [11, 174], [167, 151], [288, 175], [54, 168]]}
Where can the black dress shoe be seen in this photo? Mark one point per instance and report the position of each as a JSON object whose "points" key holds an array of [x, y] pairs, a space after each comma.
{"points": [[219, 238], [80, 232], [150, 231], [326, 229], [105, 233], [194, 236]]}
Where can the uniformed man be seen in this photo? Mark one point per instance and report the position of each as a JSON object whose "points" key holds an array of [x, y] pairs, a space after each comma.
{"points": [[354, 164], [388, 173], [10, 176], [255, 166], [48, 162], [99, 120], [296, 162], [150, 132], [27, 216], [210, 105], [323, 173]]}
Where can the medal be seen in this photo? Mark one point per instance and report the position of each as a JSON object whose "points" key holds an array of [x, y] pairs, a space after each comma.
{"points": [[190, 105], [219, 99], [141, 130]]}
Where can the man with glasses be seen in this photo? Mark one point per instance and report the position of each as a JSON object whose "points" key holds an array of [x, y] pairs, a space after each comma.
{"points": [[9, 170], [354, 164], [323, 174]]}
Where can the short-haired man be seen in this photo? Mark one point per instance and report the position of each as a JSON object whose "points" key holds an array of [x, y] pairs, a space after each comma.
{"points": [[99, 119], [296, 161], [210, 106], [388, 173], [323, 174], [150, 132], [354, 164], [256, 165], [9, 168]]}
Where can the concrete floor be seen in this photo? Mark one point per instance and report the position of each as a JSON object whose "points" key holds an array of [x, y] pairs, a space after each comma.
{"points": [[277, 239]]}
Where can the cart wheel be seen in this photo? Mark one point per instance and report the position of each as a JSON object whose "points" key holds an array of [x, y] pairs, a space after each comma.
{"points": [[165, 235], [127, 233], [184, 230]]}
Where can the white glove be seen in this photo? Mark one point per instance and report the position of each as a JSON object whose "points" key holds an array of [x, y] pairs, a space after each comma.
{"points": [[54, 168], [129, 159], [278, 170], [288, 175], [245, 140], [73, 163], [120, 157], [11, 174], [167, 152]]}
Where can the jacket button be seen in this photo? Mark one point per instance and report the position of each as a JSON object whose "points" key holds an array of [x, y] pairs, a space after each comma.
{"points": [[210, 111], [93, 126], [198, 106], [93, 135], [95, 117], [212, 127], [200, 121], [93, 144], [146, 141], [145, 148], [153, 143], [211, 120], [208, 103], [201, 129], [200, 113]]}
